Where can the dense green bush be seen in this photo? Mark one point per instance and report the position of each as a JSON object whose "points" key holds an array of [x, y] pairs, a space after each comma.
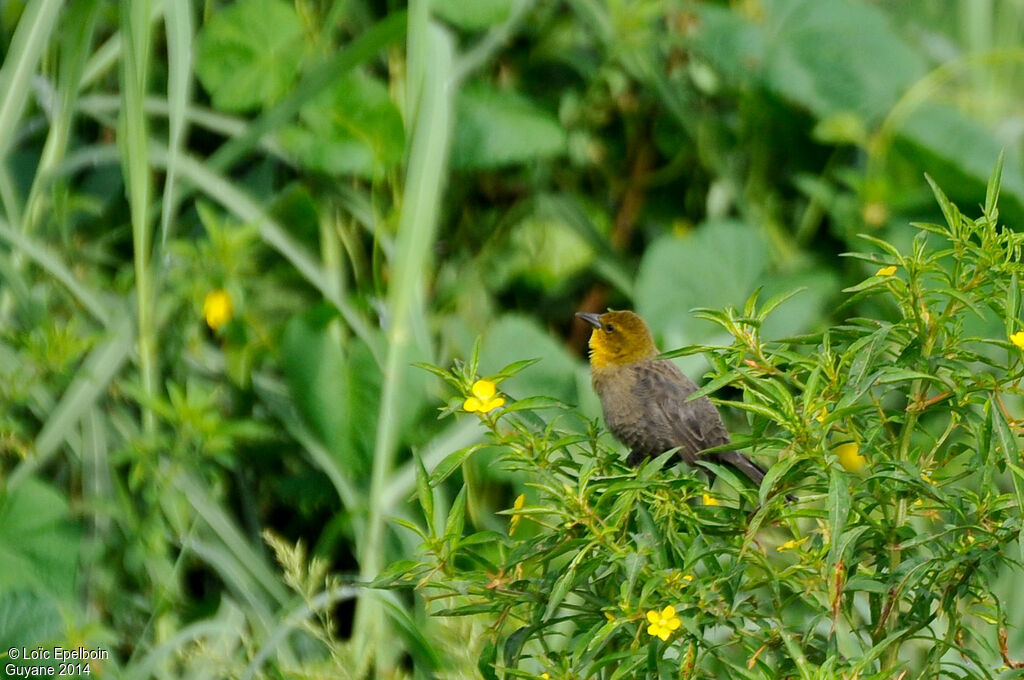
{"points": [[228, 229], [894, 435]]}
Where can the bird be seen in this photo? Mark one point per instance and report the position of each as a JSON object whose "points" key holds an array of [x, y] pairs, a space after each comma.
{"points": [[644, 398]]}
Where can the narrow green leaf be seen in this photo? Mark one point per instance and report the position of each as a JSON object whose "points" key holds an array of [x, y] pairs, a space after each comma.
{"points": [[839, 504], [424, 491], [456, 517], [949, 211], [452, 462], [994, 184]]}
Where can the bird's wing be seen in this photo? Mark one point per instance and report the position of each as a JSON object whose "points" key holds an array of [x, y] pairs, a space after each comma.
{"points": [[692, 426]]}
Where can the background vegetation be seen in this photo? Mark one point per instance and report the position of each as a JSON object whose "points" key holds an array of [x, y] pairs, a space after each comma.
{"points": [[199, 487]]}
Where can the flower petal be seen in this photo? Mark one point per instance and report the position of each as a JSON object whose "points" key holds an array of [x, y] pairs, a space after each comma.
{"points": [[663, 634], [653, 617], [673, 623], [472, 404], [483, 389], [668, 612], [850, 457], [497, 402]]}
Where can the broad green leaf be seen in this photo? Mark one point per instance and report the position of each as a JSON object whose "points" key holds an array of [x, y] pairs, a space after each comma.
{"points": [[335, 392], [39, 542], [495, 129], [248, 54], [542, 251], [352, 128], [27, 619], [959, 154], [837, 58], [719, 264]]}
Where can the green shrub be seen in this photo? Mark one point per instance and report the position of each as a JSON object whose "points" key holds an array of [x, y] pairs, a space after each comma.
{"points": [[896, 437]]}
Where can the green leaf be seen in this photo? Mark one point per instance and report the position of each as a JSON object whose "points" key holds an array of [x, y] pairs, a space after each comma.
{"points": [[352, 128], [514, 645], [994, 184], [485, 664], [958, 154], [717, 265], [496, 129], [456, 517], [839, 504], [452, 462], [248, 54], [562, 586], [27, 619], [836, 58], [424, 491], [543, 250], [399, 572], [335, 393], [39, 544]]}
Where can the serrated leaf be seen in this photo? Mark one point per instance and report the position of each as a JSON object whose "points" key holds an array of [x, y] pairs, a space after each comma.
{"points": [[39, 544], [248, 54], [352, 128]]}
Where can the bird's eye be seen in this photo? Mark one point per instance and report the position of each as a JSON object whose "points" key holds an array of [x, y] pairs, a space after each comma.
{"points": [[609, 328]]}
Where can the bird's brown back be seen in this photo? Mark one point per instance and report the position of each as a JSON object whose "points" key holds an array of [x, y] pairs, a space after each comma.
{"points": [[645, 407]]}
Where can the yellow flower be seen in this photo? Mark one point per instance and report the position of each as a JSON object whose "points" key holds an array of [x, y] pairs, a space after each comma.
{"points": [[518, 505], [792, 544], [1018, 339], [822, 414], [710, 500], [663, 622], [927, 478], [886, 271], [217, 308], [850, 458], [483, 399], [545, 675]]}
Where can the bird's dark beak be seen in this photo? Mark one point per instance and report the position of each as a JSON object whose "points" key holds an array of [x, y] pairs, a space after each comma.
{"points": [[593, 319]]}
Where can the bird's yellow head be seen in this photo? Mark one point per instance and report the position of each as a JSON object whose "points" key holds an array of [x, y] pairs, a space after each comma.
{"points": [[618, 338]]}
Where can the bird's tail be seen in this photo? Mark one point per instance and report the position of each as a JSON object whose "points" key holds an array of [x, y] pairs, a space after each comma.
{"points": [[744, 465], [749, 468]]}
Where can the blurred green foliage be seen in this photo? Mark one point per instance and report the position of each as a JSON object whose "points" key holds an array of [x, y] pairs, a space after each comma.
{"points": [[374, 185]]}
